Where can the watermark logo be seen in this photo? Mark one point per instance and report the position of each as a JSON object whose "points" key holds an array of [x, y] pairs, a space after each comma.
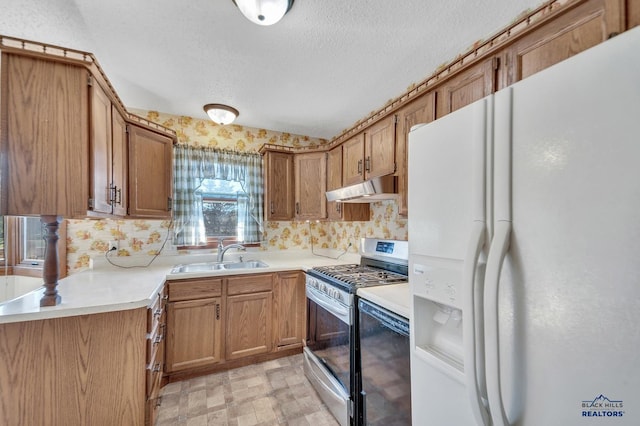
{"points": [[602, 406]]}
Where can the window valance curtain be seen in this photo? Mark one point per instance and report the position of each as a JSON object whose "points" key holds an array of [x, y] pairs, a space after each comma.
{"points": [[191, 165]]}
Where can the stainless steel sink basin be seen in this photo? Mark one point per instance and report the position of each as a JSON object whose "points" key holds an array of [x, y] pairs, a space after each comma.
{"points": [[249, 264], [217, 266]]}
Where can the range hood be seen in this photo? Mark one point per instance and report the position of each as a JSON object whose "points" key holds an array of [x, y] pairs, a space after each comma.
{"points": [[372, 190]]}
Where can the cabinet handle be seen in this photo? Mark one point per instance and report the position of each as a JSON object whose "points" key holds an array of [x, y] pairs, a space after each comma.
{"points": [[338, 207], [367, 164], [272, 211], [217, 311], [360, 166], [118, 196], [157, 312], [157, 368], [297, 208], [158, 339], [111, 194], [169, 202]]}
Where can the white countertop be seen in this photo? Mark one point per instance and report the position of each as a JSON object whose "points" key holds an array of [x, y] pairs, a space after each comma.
{"points": [[394, 297], [109, 288]]}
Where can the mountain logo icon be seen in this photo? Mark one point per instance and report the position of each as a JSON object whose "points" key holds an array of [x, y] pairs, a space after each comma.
{"points": [[601, 401]]}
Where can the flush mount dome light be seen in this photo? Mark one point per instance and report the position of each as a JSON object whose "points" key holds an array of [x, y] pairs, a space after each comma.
{"points": [[221, 114], [263, 12]]}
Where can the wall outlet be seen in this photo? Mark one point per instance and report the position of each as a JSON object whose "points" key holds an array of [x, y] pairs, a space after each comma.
{"points": [[113, 245]]}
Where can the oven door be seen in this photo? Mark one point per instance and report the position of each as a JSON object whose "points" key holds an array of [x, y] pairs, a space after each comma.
{"points": [[328, 353]]}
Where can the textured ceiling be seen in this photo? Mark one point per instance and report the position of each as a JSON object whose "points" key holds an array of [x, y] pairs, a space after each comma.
{"points": [[327, 64]]}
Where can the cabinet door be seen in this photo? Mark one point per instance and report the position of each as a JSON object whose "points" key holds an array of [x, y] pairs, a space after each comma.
{"points": [[249, 320], [150, 173], [289, 309], [120, 163], [44, 135], [101, 150], [467, 87], [421, 110], [380, 148], [311, 185], [193, 334], [279, 197], [353, 160], [578, 29]]}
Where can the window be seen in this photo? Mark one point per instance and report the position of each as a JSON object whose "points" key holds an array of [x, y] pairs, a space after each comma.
{"points": [[22, 246], [224, 204], [31, 246], [217, 194]]}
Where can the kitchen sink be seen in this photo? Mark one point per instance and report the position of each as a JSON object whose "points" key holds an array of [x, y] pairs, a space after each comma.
{"points": [[217, 266], [249, 264]]}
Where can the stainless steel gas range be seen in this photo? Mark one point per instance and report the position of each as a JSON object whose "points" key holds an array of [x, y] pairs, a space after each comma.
{"points": [[332, 358]]}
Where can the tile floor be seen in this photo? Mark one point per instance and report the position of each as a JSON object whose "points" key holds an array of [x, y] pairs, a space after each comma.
{"points": [[270, 393]]}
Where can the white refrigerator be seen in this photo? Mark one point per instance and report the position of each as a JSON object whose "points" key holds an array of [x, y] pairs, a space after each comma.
{"points": [[524, 250]]}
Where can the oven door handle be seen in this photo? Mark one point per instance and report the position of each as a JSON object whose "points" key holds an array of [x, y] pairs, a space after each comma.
{"points": [[329, 304]]}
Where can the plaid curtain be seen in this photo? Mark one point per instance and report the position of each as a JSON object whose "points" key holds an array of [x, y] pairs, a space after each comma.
{"points": [[193, 164]]}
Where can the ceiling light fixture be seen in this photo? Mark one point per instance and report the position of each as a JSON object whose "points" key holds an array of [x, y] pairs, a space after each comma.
{"points": [[221, 114], [263, 12]]}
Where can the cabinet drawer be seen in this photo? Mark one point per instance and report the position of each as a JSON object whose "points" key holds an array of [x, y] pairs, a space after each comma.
{"points": [[155, 313], [194, 289], [155, 341], [152, 409], [154, 374], [245, 284]]}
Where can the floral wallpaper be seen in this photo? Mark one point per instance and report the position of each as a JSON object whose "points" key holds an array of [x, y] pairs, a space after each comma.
{"points": [[89, 238]]}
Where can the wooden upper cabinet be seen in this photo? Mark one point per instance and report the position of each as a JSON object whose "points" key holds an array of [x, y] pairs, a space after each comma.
{"points": [[120, 164], [108, 155], [279, 190], [579, 28], [370, 153], [310, 186], [421, 110], [353, 160], [334, 168], [44, 107], [380, 148], [467, 87], [150, 173], [101, 151], [341, 211]]}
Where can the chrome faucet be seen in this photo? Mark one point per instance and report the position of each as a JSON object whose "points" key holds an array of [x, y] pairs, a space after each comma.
{"points": [[222, 249]]}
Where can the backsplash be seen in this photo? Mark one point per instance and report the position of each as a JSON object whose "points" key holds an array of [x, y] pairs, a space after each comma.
{"points": [[89, 238]]}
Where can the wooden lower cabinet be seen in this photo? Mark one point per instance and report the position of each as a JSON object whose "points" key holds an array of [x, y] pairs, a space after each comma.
{"points": [[194, 334], [215, 324], [248, 324], [249, 315], [79, 370], [289, 309], [156, 327]]}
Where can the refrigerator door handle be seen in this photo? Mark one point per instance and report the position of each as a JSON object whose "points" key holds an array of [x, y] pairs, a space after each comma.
{"points": [[497, 252], [472, 321]]}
